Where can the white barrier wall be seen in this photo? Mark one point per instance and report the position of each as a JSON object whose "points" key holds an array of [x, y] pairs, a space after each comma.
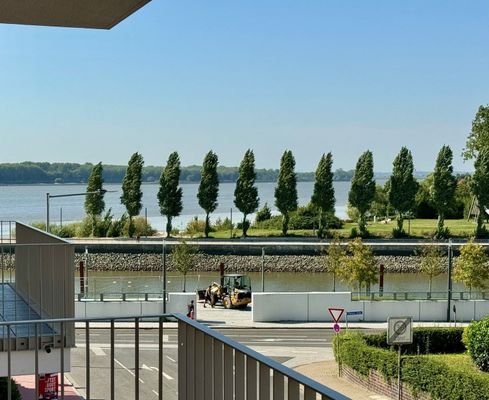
{"points": [[313, 306], [177, 303]]}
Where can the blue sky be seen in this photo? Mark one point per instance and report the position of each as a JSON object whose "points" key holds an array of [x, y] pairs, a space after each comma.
{"points": [[191, 76]]}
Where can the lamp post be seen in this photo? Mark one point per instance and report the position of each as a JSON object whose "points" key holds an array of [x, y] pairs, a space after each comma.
{"points": [[449, 283], [52, 196]]}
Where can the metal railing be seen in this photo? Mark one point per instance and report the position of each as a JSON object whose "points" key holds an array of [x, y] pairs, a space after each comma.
{"points": [[211, 366], [402, 296], [118, 296]]}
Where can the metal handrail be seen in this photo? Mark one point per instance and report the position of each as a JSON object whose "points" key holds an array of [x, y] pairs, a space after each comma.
{"points": [[185, 325], [419, 295]]}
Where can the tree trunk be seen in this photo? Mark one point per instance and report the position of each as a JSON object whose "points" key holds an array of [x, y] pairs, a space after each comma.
{"points": [[184, 282], [245, 228], [431, 281], [168, 226], [400, 222], [207, 227], [480, 224], [285, 224], [441, 223], [334, 282]]}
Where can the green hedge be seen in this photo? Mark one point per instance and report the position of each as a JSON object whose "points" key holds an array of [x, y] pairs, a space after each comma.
{"points": [[425, 341], [421, 372]]}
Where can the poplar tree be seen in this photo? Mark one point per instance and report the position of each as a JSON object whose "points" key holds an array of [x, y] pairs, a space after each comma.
{"points": [[170, 194], [362, 190], [323, 193], [402, 187], [479, 185], [131, 189], [478, 138], [286, 190], [208, 188], [444, 186], [246, 193], [94, 202]]}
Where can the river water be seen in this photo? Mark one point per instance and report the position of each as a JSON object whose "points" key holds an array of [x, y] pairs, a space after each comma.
{"points": [[27, 203]]}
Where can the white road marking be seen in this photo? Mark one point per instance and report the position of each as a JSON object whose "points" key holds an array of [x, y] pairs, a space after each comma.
{"points": [[127, 369], [165, 338], [167, 376], [155, 392], [171, 359], [98, 351]]}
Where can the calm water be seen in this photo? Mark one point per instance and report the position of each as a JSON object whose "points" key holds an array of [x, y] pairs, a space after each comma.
{"points": [[141, 282], [27, 203]]}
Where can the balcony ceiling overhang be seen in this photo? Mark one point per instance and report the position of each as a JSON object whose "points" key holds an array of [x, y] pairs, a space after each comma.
{"points": [[99, 14]]}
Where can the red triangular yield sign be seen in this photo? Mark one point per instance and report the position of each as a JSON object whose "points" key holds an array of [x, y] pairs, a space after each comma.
{"points": [[336, 313]]}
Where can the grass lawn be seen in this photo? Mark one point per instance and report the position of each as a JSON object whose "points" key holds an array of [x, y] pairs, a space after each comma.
{"points": [[416, 228]]}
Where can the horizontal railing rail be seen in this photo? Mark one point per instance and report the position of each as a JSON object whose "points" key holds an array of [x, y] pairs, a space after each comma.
{"points": [[120, 296], [210, 366], [402, 296]]}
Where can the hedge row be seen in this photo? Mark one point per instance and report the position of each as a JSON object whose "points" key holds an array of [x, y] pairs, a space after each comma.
{"points": [[422, 373], [425, 341]]}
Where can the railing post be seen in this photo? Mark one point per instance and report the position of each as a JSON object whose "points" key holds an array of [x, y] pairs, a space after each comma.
{"points": [[87, 357], [136, 358], [112, 362], [160, 359], [182, 360]]}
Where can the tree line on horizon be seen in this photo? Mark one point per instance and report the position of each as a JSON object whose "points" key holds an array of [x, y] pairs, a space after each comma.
{"points": [[399, 193], [29, 172]]}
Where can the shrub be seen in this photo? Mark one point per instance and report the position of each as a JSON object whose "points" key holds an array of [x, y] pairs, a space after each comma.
{"points": [[263, 214], [425, 341], [142, 227], [476, 338], [196, 226], [272, 223], [441, 380], [223, 224], [240, 225], [15, 393]]}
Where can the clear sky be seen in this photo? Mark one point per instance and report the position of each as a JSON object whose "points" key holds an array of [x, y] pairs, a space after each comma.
{"points": [[310, 76]]}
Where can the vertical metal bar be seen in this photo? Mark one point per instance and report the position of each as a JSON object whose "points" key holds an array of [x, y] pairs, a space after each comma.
{"points": [[112, 362], [218, 370], [251, 379], [136, 358], [36, 359], [62, 367], [293, 392], [208, 368], [182, 360], [9, 364], [190, 363], [240, 376], [264, 382], [199, 365], [160, 359], [228, 372], [87, 359], [309, 394], [278, 386]]}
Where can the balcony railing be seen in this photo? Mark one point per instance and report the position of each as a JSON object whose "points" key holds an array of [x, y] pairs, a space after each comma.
{"points": [[211, 366]]}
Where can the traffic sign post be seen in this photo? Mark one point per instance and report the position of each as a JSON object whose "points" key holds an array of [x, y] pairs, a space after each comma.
{"points": [[336, 314], [399, 331]]}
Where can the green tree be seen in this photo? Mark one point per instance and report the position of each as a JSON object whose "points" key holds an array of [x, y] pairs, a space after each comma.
{"points": [[333, 259], [380, 206], [246, 193], [94, 202], [362, 190], [471, 266], [402, 187], [480, 188], [444, 186], [131, 189], [170, 194], [359, 265], [183, 257], [208, 188], [286, 190], [478, 139], [323, 193], [432, 262]]}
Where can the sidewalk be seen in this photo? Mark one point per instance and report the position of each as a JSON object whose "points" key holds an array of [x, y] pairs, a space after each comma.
{"points": [[27, 388]]}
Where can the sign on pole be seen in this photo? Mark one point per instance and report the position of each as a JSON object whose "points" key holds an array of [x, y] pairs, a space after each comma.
{"points": [[336, 313], [400, 330]]}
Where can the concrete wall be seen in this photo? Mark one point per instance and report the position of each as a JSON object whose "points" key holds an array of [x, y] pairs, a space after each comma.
{"points": [[269, 307], [23, 362], [177, 303]]}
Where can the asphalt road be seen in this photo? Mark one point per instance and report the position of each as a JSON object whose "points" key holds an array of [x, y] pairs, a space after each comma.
{"points": [[288, 346]]}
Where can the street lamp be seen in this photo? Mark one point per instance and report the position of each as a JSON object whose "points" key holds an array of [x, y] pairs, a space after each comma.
{"points": [[52, 196]]}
